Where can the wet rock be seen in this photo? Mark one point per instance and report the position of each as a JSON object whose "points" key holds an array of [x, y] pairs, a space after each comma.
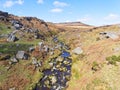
{"points": [[77, 51], [57, 87], [67, 61]]}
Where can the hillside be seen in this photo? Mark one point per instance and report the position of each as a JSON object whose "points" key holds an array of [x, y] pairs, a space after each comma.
{"points": [[74, 26], [28, 48], [96, 66]]}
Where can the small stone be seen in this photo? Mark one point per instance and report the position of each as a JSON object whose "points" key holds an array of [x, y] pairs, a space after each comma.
{"points": [[39, 63], [51, 64], [51, 53], [14, 60], [8, 67], [59, 59], [10, 63], [34, 62]]}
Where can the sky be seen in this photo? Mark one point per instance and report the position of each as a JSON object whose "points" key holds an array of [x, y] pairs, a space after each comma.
{"points": [[92, 12]]}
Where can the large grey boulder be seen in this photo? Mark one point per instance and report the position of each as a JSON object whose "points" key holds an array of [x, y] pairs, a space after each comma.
{"points": [[112, 35], [77, 50]]}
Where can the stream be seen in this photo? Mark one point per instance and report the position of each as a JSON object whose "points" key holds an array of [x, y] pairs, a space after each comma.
{"points": [[58, 75]]}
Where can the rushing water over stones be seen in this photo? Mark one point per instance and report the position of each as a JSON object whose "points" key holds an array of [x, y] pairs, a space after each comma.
{"points": [[56, 78]]}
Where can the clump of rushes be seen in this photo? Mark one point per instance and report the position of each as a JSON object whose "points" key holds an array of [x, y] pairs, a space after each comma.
{"points": [[95, 66], [113, 59]]}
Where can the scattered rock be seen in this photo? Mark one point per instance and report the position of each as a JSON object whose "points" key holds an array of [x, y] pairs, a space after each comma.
{"points": [[51, 53], [12, 88], [22, 55], [77, 51], [55, 39], [14, 60], [31, 49], [12, 38], [41, 44], [112, 35], [36, 62]]}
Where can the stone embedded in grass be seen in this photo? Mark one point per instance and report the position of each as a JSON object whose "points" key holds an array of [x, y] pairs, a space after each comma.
{"points": [[14, 60], [112, 35], [31, 49], [22, 55], [77, 51]]}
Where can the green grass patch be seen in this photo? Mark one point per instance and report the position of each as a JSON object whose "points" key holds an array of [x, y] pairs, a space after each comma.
{"points": [[95, 66], [113, 59], [5, 29], [3, 73], [12, 48]]}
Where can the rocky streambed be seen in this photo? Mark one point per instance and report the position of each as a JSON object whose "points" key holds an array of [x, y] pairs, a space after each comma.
{"points": [[58, 75]]}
